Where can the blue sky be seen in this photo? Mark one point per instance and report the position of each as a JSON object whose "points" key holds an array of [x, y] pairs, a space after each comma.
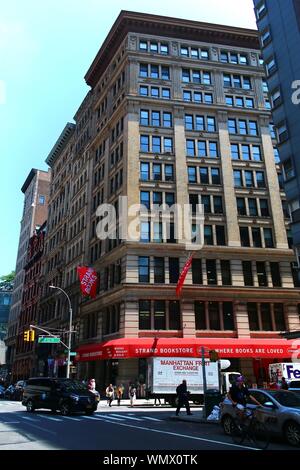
{"points": [[45, 50]]}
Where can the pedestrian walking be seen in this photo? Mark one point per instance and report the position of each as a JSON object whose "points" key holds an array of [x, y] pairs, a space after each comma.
{"points": [[132, 394], [109, 394], [120, 391], [183, 398], [284, 384], [157, 399]]}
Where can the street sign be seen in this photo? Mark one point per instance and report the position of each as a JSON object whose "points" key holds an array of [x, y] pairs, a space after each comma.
{"points": [[73, 353], [48, 339]]}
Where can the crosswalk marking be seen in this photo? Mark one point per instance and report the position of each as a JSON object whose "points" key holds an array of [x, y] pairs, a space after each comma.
{"points": [[28, 418], [128, 417], [151, 419], [72, 418], [51, 418], [111, 417]]}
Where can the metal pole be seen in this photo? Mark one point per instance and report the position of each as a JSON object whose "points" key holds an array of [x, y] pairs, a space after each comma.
{"points": [[204, 377], [70, 329]]}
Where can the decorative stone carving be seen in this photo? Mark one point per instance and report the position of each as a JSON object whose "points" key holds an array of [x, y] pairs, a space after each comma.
{"points": [[133, 43], [222, 116], [174, 48], [178, 112]]}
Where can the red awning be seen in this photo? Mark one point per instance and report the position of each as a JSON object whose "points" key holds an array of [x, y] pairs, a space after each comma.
{"points": [[124, 348]]}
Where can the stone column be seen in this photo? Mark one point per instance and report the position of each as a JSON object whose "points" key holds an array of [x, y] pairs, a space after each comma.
{"points": [[292, 317], [241, 319], [233, 233], [188, 318]]}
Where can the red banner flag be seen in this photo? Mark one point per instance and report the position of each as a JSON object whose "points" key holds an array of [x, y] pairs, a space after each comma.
{"points": [[88, 281], [183, 275]]}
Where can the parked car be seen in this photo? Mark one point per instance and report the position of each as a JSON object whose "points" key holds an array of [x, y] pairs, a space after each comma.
{"points": [[2, 389], [55, 394], [294, 386], [280, 412]]}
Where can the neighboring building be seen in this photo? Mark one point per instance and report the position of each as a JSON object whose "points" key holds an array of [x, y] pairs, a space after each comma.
{"points": [[5, 301], [24, 365], [278, 22], [176, 113], [36, 193]]}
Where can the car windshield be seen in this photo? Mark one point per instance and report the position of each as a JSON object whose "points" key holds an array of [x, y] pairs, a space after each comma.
{"points": [[286, 398], [72, 385]]}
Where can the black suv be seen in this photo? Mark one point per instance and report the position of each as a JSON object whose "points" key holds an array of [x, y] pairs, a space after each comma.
{"points": [[65, 395]]}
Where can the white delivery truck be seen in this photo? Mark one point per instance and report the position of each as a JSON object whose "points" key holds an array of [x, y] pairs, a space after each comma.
{"points": [[288, 370], [166, 373]]}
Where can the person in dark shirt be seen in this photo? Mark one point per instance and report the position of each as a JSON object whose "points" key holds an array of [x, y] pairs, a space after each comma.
{"points": [[183, 398], [238, 395], [284, 385]]}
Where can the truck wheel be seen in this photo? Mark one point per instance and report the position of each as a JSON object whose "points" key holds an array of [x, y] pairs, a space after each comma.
{"points": [[227, 423]]}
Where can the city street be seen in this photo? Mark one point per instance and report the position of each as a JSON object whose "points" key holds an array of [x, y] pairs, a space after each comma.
{"points": [[115, 428]]}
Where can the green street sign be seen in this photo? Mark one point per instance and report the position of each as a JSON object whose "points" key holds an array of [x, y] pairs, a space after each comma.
{"points": [[48, 339]]}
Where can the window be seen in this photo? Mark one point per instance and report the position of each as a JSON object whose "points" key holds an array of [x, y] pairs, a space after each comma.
{"points": [[253, 130], [199, 123], [227, 80], [232, 126], [169, 173], [167, 119], [220, 235], [261, 274], [197, 271], [204, 54], [153, 47], [144, 315], [206, 78], [185, 75], [215, 175], [267, 104], [165, 73], [279, 317], [204, 175], [159, 270], [144, 118], [145, 199], [42, 199], [246, 83], [239, 102], [238, 182], [184, 51], [256, 237], [187, 96], [275, 273], [265, 86], [260, 179], [241, 206], [144, 269], [205, 201], [144, 143], [247, 273], [264, 208], [159, 315], [194, 53], [228, 319], [174, 315], [271, 66], [143, 46], [218, 204], [272, 130], [214, 316], [211, 124], [243, 59], [256, 153], [208, 98], [246, 152], [235, 153], [192, 174], [164, 49], [244, 234], [143, 70], [200, 321], [144, 172], [208, 235], [237, 82], [166, 93], [157, 171], [145, 232], [157, 232], [249, 103], [157, 198], [155, 118], [266, 320], [229, 100], [170, 199], [168, 145], [242, 127], [268, 237], [276, 97], [288, 169], [173, 270], [189, 122], [154, 92], [213, 149], [224, 57], [156, 144], [211, 272], [226, 273], [253, 316], [261, 10], [154, 71], [190, 148], [143, 90], [196, 75], [233, 58], [253, 212]]}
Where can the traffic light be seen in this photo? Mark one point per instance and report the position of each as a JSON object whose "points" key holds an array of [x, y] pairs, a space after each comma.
{"points": [[213, 355], [29, 335], [26, 335]]}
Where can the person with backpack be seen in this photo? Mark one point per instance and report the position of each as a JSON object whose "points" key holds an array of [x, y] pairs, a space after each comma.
{"points": [[132, 394], [109, 394]]}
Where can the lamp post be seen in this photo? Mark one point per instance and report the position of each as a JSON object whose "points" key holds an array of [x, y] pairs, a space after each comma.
{"points": [[70, 328]]}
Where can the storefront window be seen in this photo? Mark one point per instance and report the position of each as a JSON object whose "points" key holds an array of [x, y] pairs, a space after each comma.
{"points": [[253, 316]]}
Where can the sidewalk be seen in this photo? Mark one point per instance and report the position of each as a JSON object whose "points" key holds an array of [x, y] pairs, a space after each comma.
{"points": [[196, 417]]}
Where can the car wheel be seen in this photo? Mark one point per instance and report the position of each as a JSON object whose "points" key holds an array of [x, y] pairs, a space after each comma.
{"points": [[65, 409], [292, 433], [30, 406], [227, 423]]}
